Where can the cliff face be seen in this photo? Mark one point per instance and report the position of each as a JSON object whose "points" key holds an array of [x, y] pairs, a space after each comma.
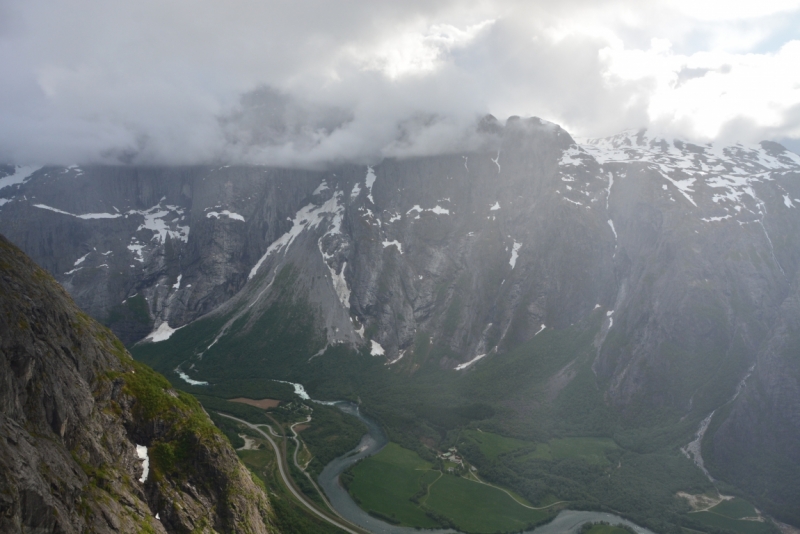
{"points": [[687, 251], [73, 408]]}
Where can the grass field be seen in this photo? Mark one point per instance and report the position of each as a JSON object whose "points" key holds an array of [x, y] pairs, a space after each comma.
{"points": [[729, 514], [475, 507], [720, 521], [606, 529], [469, 505], [384, 483], [493, 445], [735, 509]]}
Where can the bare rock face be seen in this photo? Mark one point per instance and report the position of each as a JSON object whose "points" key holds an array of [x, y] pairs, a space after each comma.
{"points": [[73, 408]]}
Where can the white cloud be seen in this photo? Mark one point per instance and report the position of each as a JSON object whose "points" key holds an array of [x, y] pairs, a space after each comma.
{"points": [[183, 82], [724, 87], [717, 10]]}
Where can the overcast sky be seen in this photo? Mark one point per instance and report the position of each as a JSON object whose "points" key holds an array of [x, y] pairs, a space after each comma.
{"points": [[318, 81]]}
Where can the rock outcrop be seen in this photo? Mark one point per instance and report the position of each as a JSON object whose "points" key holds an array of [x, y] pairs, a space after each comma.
{"points": [[74, 408]]}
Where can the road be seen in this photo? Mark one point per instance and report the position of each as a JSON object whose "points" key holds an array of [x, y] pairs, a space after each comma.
{"points": [[283, 469]]}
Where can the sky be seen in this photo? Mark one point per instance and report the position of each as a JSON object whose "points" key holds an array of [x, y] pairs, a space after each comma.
{"points": [[314, 82]]}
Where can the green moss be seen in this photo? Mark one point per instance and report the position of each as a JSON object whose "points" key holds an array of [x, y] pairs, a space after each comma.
{"points": [[189, 427]]}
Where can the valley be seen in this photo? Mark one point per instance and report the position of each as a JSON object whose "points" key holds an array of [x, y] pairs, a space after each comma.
{"points": [[565, 314]]}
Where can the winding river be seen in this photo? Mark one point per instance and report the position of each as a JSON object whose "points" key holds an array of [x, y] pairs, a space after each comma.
{"points": [[567, 521]]}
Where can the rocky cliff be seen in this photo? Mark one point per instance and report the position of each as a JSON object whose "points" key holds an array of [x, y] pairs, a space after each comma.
{"points": [[76, 416], [687, 252]]}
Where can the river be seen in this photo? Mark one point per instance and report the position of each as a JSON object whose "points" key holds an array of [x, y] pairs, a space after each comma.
{"points": [[567, 521]]}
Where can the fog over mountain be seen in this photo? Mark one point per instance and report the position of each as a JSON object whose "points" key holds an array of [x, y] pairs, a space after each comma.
{"points": [[311, 83], [466, 266]]}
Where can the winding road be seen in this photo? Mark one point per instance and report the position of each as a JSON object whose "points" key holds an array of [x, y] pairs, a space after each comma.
{"points": [[289, 483]]}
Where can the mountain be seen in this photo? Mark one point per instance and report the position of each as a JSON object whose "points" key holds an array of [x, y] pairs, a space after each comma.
{"points": [[77, 414], [662, 276]]}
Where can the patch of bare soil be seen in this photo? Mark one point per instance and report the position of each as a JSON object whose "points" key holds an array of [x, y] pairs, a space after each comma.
{"points": [[264, 404], [703, 502]]}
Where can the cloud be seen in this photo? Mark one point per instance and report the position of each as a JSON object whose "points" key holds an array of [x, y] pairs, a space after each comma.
{"points": [[312, 82]]}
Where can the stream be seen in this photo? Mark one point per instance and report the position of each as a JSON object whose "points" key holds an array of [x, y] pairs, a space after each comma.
{"points": [[567, 521]]}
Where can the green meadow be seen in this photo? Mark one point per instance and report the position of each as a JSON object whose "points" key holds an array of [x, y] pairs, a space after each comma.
{"points": [[598, 528], [419, 496], [476, 507], [729, 515], [493, 445], [385, 483]]}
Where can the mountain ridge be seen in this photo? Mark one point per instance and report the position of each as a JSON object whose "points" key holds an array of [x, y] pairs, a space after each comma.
{"points": [[457, 260]]}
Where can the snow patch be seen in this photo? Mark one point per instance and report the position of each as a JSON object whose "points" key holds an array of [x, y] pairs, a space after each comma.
{"points": [[226, 213], [370, 181], [570, 156], [495, 206], [514, 254], [322, 187], [340, 286], [162, 333], [496, 161], [137, 249], [141, 452], [308, 217], [395, 217], [438, 210], [375, 348], [395, 243], [355, 192], [787, 201], [610, 185], [472, 361], [80, 260], [154, 221], [339, 281], [99, 216], [177, 284], [83, 216], [21, 174], [684, 186], [611, 224], [399, 357], [541, 329]]}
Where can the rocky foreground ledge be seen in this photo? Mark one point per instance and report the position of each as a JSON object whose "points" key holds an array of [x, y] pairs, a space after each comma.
{"points": [[74, 408]]}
